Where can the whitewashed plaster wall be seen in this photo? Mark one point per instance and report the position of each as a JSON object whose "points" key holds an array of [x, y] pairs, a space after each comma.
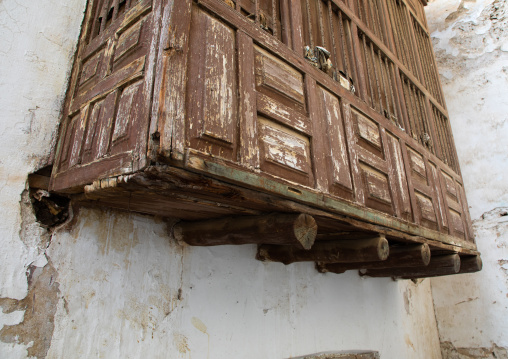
{"points": [[116, 285], [471, 42]]}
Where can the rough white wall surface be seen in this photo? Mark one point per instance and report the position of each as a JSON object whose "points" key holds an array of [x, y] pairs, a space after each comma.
{"points": [[471, 42], [116, 285]]}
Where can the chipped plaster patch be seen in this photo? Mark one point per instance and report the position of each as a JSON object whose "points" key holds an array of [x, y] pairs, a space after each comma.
{"points": [[39, 306], [448, 351]]}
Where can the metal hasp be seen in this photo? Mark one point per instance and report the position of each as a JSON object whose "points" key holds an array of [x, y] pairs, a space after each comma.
{"points": [[316, 129]]}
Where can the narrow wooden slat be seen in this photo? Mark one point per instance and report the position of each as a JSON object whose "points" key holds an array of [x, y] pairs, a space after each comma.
{"points": [[247, 104]]}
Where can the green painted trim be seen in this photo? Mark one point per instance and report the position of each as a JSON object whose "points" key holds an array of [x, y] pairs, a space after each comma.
{"points": [[317, 199]]}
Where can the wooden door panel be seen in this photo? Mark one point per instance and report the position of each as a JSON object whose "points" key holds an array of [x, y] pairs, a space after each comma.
{"points": [[453, 202], [441, 208], [284, 152], [212, 90], [429, 206], [277, 79], [337, 154], [377, 187], [399, 179]]}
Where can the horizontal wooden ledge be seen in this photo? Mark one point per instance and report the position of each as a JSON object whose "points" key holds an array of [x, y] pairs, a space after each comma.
{"points": [[165, 183], [327, 204]]}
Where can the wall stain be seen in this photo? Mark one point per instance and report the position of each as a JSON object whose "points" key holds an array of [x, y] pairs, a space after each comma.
{"points": [[181, 343], [40, 307], [448, 351]]}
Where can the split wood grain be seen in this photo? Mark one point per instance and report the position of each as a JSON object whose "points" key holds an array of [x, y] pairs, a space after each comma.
{"points": [[333, 251], [416, 255], [438, 266], [288, 229]]}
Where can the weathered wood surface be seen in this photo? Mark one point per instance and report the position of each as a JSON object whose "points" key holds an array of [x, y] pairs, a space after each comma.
{"points": [[352, 128], [406, 256], [148, 192], [288, 229], [438, 266], [329, 251], [470, 264]]}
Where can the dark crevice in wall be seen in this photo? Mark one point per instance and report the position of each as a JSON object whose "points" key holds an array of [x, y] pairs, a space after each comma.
{"points": [[50, 209]]}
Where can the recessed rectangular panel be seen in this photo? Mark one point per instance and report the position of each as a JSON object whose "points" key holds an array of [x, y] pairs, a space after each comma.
{"points": [[128, 109], [67, 140], [377, 184], [417, 164], [278, 76], [441, 207], [336, 137], [90, 67], [283, 147], [451, 189], [220, 82], [79, 132], [105, 124], [212, 83], [426, 207], [456, 221], [92, 125], [128, 40], [400, 174], [368, 130]]}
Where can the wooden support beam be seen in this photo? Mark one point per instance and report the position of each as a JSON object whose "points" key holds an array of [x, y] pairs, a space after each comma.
{"points": [[414, 255], [470, 264], [348, 250], [286, 229], [438, 266]]}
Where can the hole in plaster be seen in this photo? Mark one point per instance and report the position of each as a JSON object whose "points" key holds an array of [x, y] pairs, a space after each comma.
{"points": [[50, 209]]}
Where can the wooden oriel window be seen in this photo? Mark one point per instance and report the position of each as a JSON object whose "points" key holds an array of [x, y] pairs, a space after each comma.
{"points": [[324, 118]]}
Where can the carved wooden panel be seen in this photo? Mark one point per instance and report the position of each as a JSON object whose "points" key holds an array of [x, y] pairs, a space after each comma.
{"points": [[334, 105], [453, 199], [108, 103], [374, 187], [429, 207]]}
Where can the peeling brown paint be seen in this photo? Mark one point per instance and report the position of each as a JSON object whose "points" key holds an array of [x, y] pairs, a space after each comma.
{"points": [[40, 307]]}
